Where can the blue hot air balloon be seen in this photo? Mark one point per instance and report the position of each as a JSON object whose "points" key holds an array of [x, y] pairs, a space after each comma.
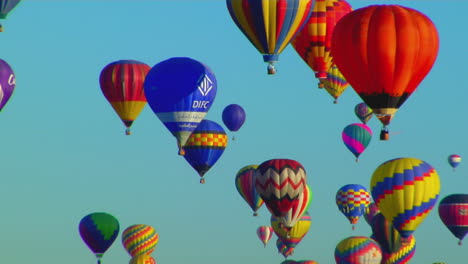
{"points": [[180, 91], [233, 117], [205, 146]]}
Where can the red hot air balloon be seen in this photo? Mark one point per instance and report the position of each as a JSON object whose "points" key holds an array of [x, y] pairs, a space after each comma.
{"points": [[279, 182], [453, 211], [122, 85], [384, 52]]}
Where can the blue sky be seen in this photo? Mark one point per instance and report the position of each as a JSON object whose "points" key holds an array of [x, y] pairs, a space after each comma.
{"points": [[65, 153]]}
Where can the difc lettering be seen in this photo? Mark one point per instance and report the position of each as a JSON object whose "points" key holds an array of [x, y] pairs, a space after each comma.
{"points": [[11, 80], [200, 104]]}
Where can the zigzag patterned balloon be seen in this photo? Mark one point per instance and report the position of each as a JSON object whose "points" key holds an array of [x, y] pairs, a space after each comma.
{"points": [[142, 259], [140, 239], [358, 250], [405, 190], [289, 220], [402, 256], [280, 182]]}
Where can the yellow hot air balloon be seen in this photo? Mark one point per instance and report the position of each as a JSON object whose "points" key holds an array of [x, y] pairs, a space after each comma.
{"points": [[405, 190], [140, 239], [142, 259]]}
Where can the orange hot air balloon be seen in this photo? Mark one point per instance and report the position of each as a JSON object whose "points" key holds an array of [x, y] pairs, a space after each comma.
{"points": [[384, 52], [122, 85], [313, 42]]}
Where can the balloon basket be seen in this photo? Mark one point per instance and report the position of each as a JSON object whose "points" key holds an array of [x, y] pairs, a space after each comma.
{"points": [[255, 214], [271, 69], [460, 243], [384, 135], [353, 227], [181, 152], [128, 132], [202, 180]]}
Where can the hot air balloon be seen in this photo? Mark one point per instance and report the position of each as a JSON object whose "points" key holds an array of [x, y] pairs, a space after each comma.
{"points": [[6, 6], [405, 190], [403, 255], [7, 83], [454, 160], [140, 239], [99, 230], [353, 200], [384, 52], [233, 117], [363, 112], [264, 233], [205, 146], [356, 138], [372, 210], [299, 262], [453, 211], [385, 234], [296, 212], [285, 248], [142, 259], [279, 182], [358, 250], [122, 85], [335, 84], [180, 91], [270, 24], [245, 185], [295, 234], [313, 42]]}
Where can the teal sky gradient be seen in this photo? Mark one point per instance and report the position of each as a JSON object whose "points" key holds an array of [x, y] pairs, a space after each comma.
{"points": [[65, 155]]}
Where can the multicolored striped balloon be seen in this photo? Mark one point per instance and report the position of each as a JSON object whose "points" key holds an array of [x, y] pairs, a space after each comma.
{"points": [[289, 220], [405, 190], [403, 255], [363, 112], [245, 185], [142, 259], [335, 83], [270, 24], [290, 261], [358, 250], [280, 182], [205, 146], [265, 233], [140, 239], [285, 248], [353, 200], [99, 231], [372, 210], [313, 42], [122, 85], [453, 211], [356, 138], [454, 160]]}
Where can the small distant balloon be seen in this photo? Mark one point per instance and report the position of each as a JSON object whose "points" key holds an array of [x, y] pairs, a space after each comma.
{"points": [[233, 117], [356, 138], [363, 112], [353, 200], [454, 160], [265, 233]]}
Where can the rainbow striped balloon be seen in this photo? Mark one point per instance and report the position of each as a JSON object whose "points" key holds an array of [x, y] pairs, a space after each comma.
{"points": [[245, 185], [140, 239], [335, 83], [356, 138], [405, 190], [358, 250], [142, 259]]}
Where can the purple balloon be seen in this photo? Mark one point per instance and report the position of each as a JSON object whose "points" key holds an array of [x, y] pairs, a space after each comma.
{"points": [[7, 83], [233, 117]]}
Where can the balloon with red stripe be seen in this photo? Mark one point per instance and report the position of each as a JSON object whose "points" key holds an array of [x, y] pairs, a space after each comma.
{"points": [[453, 211], [353, 200], [454, 160], [265, 233], [140, 239], [122, 85], [245, 185], [358, 250], [279, 183]]}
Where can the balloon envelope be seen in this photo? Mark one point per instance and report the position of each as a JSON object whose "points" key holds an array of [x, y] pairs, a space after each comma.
{"points": [[265, 233], [99, 230], [352, 200], [453, 211], [205, 146], [180, 91], [358, 250], [363, 112], [245, 185], [454, 160], [122, 85], [405, 190], [233, 117], [356, 138], [139, 239], [270, 24], [7, 83]]}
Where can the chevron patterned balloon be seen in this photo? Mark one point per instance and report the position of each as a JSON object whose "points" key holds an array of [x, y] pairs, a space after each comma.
{"points": [[405, 190], [140, 239], [297, 211], [279, 182], [403, 255]]}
